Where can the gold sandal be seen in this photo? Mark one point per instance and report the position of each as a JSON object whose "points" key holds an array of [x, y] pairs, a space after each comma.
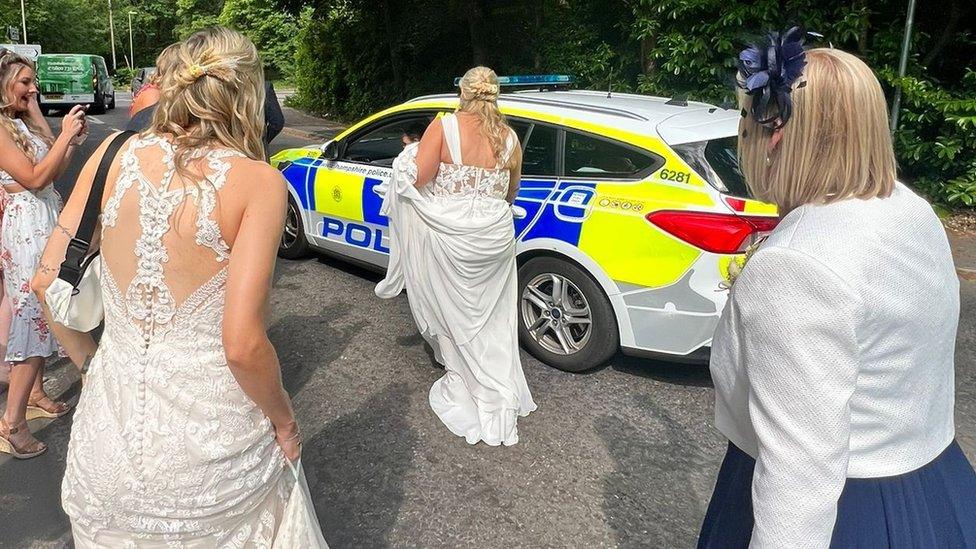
{"points": [[7, 445], [56, 409]]}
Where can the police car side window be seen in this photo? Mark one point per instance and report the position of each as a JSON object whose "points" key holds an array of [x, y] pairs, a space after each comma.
{"points": [[521, 128], [588, 156], [539, 154], [381, 145]]}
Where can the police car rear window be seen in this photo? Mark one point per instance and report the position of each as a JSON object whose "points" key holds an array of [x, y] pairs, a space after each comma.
{"points": [[717, 161]]}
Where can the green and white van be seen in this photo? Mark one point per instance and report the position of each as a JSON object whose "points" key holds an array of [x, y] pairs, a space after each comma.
{"points": [[65, 80]]}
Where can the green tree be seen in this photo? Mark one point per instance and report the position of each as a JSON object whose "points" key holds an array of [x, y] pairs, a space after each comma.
{"points": [[272, 31]]}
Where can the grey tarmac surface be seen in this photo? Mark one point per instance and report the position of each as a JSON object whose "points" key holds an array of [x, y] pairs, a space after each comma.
{"points": [[624, 456]]}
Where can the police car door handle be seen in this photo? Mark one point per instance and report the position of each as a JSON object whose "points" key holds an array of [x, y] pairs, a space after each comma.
{"points": [[518, 212]]}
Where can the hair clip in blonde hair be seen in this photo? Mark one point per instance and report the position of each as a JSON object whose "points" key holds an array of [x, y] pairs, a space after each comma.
{"points": [[196, 71], [484, 89]]}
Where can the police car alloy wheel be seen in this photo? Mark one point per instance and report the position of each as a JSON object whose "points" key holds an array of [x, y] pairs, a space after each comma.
{"points": [[293, 244], [565, 319]]}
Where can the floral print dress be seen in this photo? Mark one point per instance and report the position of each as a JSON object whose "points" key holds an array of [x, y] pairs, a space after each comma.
{"points": [[28, 219]]}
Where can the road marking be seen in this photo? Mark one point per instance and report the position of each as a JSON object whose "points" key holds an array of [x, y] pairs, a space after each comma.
{"points": [[94, 120]]}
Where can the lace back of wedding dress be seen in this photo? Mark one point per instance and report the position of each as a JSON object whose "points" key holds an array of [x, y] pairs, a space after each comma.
{"points": [[161, 244], [456, 180], [166, 448]]}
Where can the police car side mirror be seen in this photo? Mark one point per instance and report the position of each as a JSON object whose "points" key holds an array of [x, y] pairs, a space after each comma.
{"points": [[330, 151]]}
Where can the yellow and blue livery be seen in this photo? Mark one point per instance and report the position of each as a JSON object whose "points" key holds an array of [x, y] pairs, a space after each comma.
{"points": [[629, 212]]}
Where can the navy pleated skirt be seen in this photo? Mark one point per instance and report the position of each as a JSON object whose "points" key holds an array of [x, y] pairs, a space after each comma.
{"points": [[934, 506]]}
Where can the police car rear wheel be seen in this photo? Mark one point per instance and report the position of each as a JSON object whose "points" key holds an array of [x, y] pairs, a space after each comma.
{"points": [[565, 320], [293, 244]]}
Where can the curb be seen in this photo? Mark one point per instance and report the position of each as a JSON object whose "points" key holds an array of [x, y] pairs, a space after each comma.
{"points": [[966, 274]]}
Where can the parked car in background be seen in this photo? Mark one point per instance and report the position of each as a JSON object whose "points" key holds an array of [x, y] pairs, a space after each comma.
{"points": [[141, 77], [65, 80], [630, 210]]}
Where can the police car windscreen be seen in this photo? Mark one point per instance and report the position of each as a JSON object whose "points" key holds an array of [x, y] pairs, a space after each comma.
{"points": [[717, 161]]}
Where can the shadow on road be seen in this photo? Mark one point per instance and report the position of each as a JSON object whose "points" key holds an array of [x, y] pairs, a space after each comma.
{"points": [[299, 337], [651, 493], [673, 373], [356, 467]]}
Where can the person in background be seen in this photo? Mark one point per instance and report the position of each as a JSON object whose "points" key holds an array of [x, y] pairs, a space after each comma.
{"points": [[274, 119], [146, 95], [411, 134], [144, 103], [833, 361], [31, 158]]}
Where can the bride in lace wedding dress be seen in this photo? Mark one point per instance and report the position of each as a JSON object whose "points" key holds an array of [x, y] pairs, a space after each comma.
{"points": [[453, 250], [183, 429]]}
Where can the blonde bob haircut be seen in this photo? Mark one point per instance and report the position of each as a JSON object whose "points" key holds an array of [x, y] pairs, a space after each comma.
{"points": [[212, 93], [835, 146]]}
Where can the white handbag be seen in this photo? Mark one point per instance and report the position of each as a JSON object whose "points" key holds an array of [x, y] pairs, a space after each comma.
{"points": [[78, 307], [75, 296]]}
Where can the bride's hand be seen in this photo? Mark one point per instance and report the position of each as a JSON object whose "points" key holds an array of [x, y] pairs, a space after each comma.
{"points": [[289, 438]]}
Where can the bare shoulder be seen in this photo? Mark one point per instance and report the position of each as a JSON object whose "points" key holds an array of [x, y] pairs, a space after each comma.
{"points": [[436, 127], [255, 178]]}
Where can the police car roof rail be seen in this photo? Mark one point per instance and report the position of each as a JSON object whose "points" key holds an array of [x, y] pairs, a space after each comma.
{"points": [[576, 106]]}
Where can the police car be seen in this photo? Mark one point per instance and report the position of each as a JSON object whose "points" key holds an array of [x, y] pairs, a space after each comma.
{"points": [[630, 210]]}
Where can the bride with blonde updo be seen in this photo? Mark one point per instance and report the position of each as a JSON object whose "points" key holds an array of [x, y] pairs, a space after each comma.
{"points": [[184, 435], [452, 247]]}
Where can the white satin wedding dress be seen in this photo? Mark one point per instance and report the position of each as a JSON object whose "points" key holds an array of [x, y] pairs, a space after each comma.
{"points": [[166, 448], [452, 247]]}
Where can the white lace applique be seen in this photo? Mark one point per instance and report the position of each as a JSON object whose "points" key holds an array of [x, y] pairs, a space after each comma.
{"points": [[455, 180], [208, 231], [129, 173]]}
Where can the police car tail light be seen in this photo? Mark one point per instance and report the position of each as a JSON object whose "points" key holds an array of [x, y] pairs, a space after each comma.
{"points": [[713, 232]]}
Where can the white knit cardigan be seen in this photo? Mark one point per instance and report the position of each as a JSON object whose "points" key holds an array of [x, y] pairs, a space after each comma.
{"points": [[834, 358]]}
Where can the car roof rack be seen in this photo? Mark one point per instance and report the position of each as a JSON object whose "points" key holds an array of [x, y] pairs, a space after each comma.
{"points": [[542, 82]]}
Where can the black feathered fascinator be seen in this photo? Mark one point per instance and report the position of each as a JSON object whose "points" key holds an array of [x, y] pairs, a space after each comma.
{"points": [[768, 73]]}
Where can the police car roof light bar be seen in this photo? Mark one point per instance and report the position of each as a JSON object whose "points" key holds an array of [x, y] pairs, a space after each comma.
{"points": [[532, 80]]}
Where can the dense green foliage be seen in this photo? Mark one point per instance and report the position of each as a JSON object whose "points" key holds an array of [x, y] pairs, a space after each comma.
{"points": [[82, 26], [352, 57], [936, 141], [355, 56]]}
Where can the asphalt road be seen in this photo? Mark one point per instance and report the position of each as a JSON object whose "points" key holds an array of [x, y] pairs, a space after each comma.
{"points": [[621, 457]]}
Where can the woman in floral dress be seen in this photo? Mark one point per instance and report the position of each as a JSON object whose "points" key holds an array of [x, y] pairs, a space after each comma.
{"points": [[30, 160]]}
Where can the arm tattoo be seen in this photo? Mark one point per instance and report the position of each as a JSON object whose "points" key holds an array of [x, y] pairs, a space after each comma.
{"points": [[64, 231], [46, 269]]}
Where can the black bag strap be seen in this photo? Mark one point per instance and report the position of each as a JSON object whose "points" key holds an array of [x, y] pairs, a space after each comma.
{"points": [[74, 258]]}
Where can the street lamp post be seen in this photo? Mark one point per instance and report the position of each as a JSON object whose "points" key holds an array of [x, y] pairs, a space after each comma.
{"points": [[111, 33], [23, 19], [903, 63], [132, 57]]}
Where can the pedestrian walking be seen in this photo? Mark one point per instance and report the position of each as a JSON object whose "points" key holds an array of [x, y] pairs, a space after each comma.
{"points": [[833, 362], [453, 250], [31, 158]]}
